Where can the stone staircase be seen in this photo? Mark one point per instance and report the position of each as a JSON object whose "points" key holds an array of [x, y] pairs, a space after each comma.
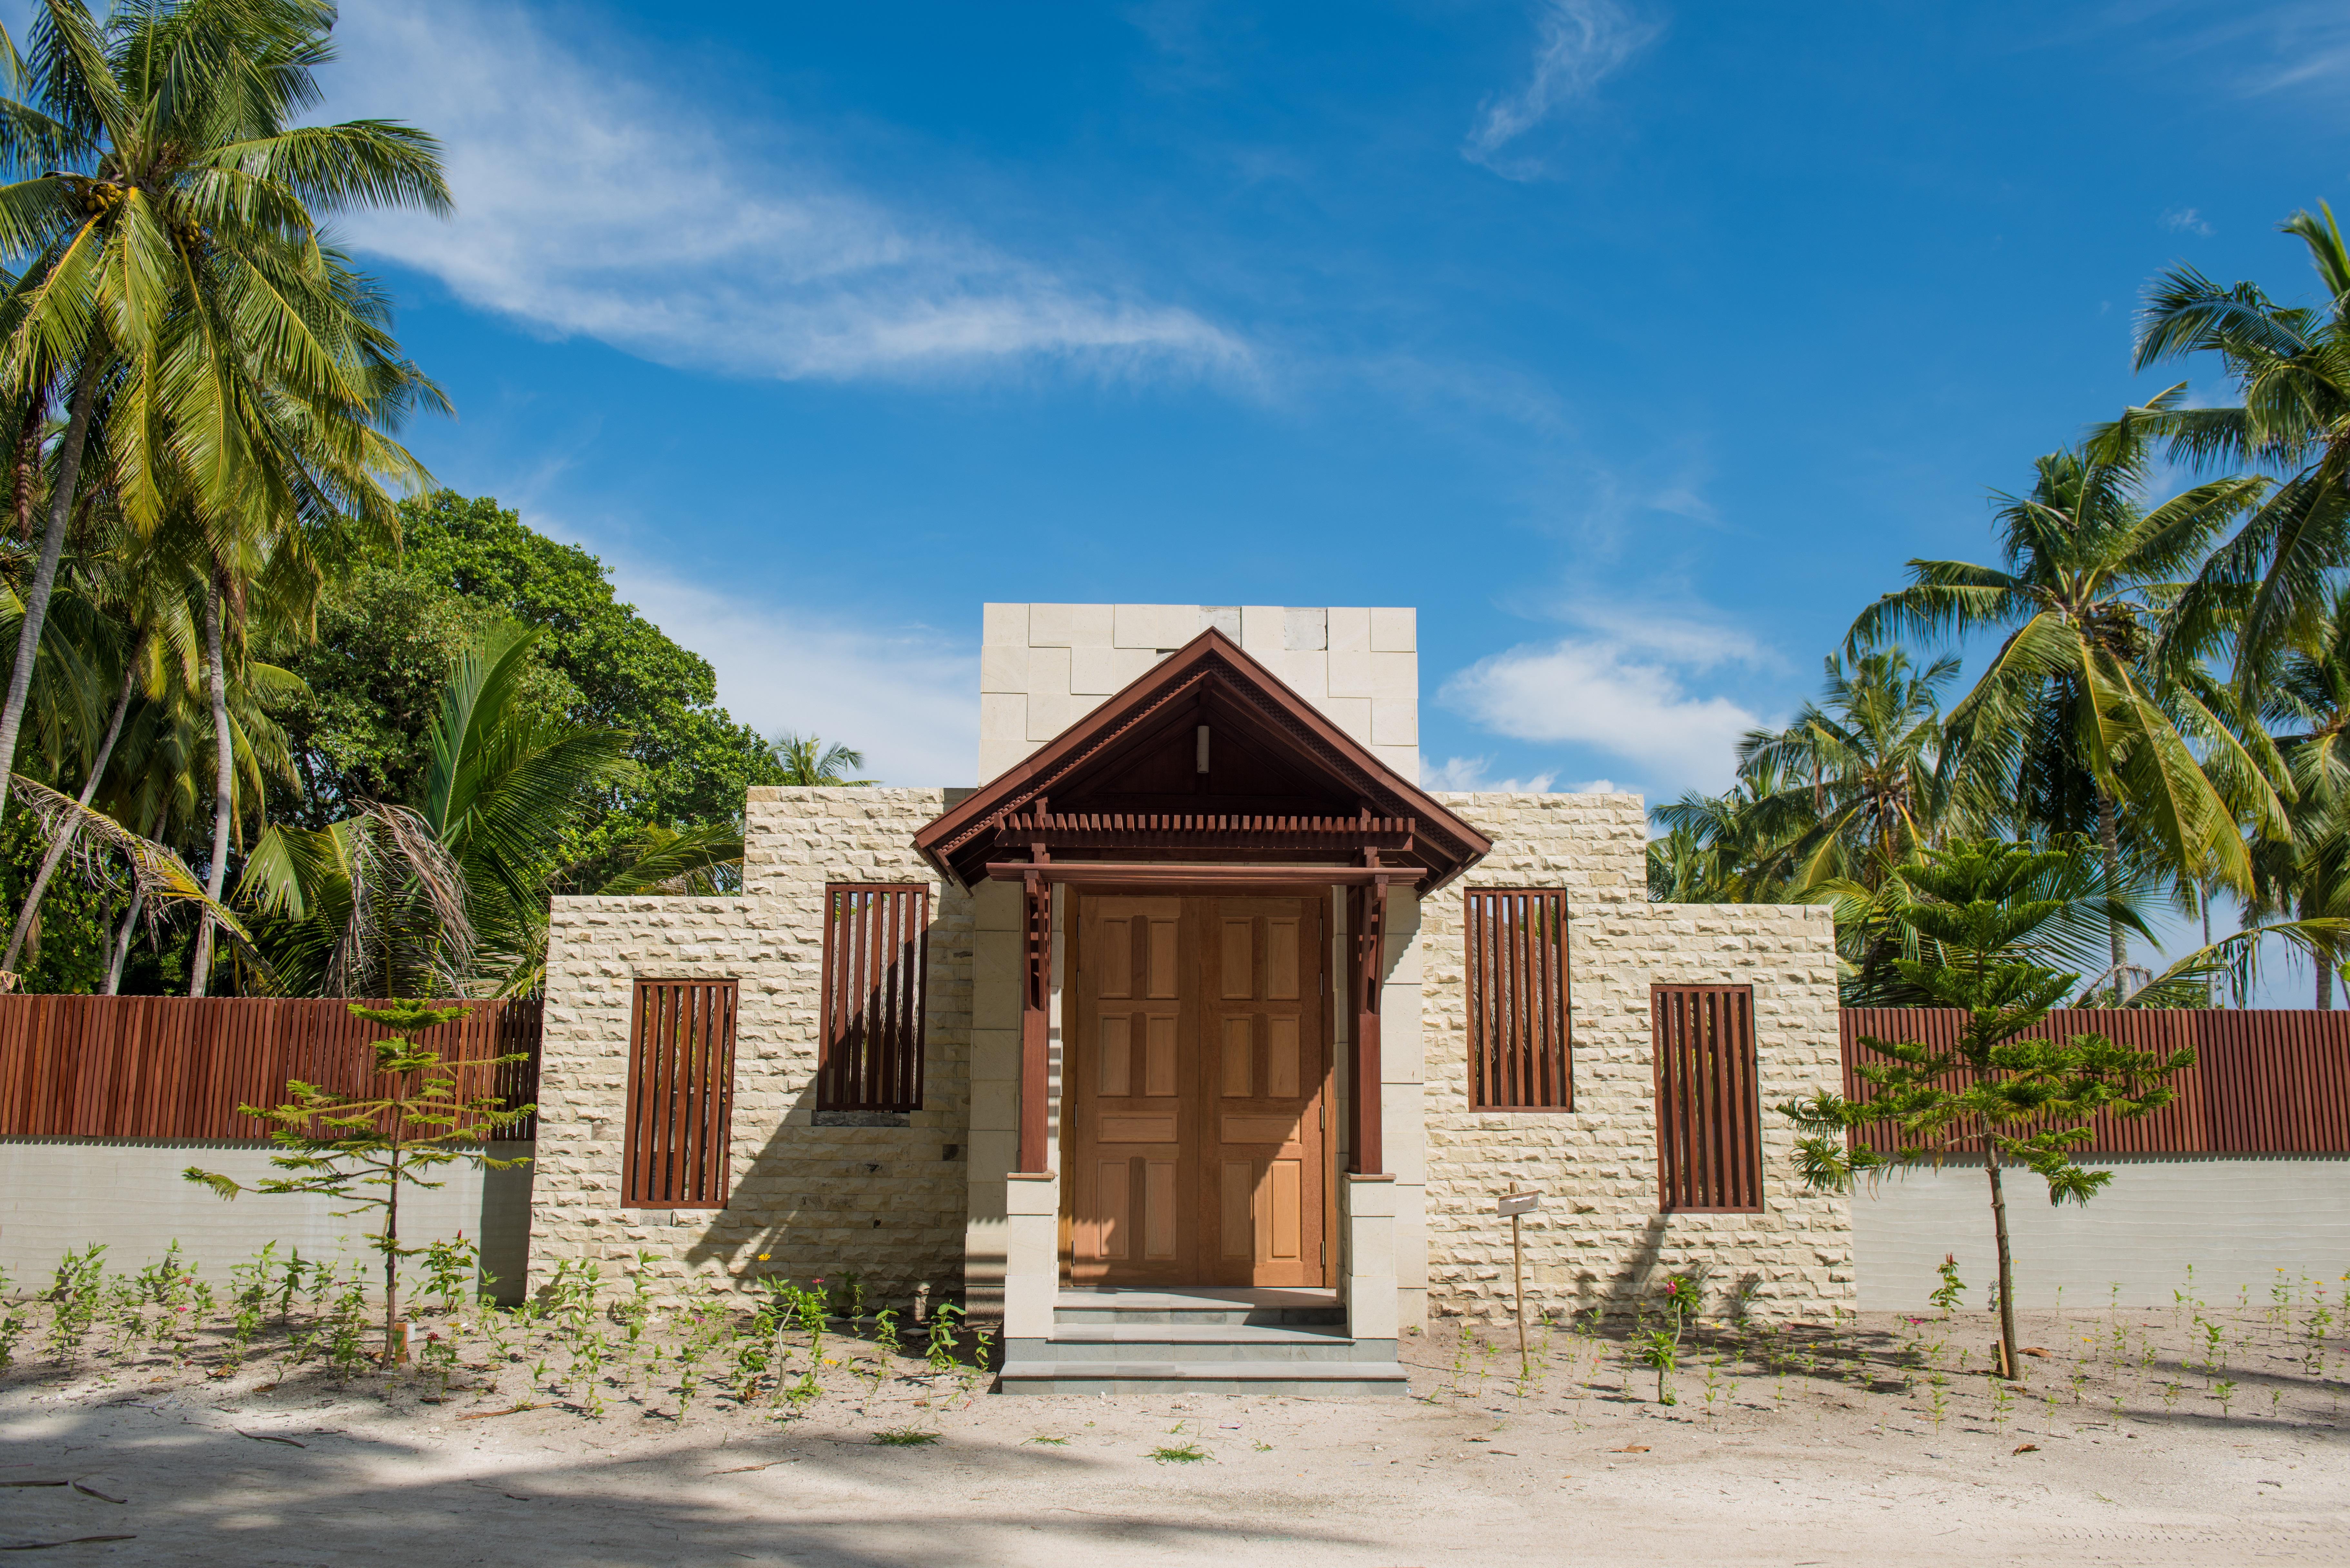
{"points": [[1115, 1341]]}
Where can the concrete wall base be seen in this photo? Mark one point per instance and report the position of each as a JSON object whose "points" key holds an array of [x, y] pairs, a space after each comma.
{"points": [[60, 1194], [2243, 1223]]}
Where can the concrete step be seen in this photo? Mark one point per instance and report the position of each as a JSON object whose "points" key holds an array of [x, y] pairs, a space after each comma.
{"points": [[1262, 1308], [1199, 1342], [1125, 1376]]}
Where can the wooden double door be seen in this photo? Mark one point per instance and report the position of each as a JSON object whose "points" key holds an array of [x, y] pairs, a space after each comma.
{"points": [[1196, 1092]]}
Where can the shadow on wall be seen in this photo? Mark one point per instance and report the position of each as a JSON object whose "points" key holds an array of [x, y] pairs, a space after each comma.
{"points": [[881, 1203]]}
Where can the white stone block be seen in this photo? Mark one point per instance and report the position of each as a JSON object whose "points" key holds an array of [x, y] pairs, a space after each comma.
{"points": [[1098, 671], [1225, 618], [995, 757], [1352, 714], [1154, 626], [1261, 628], [1395, 631], [1350, 672], [1003, 624], [1306, 674], [1306, 630], [1404, 760], [1050, 710], [1350, 630], [1395, 675], [1395, 721], [1004, 669], [1049, 625], [1003, 716]]}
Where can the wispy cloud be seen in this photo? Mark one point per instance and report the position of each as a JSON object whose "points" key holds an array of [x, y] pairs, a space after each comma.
{"points": [[1624, 685], [1579, 44], [593, 202], [1473, 774], [906, 697], [2186, 220]]}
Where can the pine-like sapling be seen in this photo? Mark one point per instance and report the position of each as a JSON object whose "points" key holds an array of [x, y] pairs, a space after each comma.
{"points": [[364, 1151], [1977, 909]]}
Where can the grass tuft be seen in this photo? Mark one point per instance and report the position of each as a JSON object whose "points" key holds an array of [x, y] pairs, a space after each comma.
{"points": [[1180, 1454], [904, 1438]]}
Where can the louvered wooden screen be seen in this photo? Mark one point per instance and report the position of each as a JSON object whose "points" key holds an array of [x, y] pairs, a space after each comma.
{"points": [[681, 1095], [1708, 1106], [1519, 1041], [178, 1067], [2263, 1082], [875, 942]]}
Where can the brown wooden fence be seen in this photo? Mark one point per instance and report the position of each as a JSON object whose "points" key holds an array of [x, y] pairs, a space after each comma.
{"points": [[2264, 1082], [170, 1067]]}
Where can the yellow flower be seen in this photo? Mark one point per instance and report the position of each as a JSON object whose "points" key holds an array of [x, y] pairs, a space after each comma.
{"points": [[763, 1256]]}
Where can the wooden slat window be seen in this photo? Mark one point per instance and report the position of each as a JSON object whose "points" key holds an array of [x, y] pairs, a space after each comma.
{"points": [[876, 948], [1519, 1039], [681, 1095], [1708, 1106]]}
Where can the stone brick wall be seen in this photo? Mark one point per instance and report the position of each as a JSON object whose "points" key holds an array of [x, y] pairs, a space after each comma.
{"points": [[885, 1201], [1599, 1241]]}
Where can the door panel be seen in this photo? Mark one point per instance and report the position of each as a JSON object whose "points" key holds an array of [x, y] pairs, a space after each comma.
{"points": [[1130, 1151], [1265, 1131], [1194, 1108]]}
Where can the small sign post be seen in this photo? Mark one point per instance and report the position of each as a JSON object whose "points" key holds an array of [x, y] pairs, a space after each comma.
{"points": [[1515, 1204]]}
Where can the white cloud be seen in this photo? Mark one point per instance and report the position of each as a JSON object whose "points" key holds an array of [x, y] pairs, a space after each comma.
{"points": [[1579, 44], [2186, 220], [1624, 688], [908, 699], [1469, 773], [591, 201]]}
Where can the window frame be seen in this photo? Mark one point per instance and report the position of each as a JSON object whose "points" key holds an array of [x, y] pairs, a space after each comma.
{"points": [[1540, 1037], [679, 1157], [902, 1053], [1734, 1140]]}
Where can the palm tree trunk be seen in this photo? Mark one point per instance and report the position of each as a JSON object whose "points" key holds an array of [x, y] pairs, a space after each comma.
{"points": [[29, 458], [55, 857], [2109, 839], [53, 546], [2325, 979], [122, 943], [2008, 1369], [223, 787]]}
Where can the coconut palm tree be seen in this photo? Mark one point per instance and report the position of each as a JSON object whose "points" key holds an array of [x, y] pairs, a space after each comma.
{"points": [[2290, 365], [2074, 724], [809, 761], [175, 294]]}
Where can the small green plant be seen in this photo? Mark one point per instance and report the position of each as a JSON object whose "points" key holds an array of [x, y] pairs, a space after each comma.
{"points": [[913, 1437], [1179, 1454], [451, 1267], [1050, 1442], [1660, 1350], [2224, 1391], [941, 1350], [885, 1333], [76, 1293]]}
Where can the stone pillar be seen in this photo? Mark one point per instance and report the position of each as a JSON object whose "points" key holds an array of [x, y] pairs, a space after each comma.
{"points": [[1031, 1261], [1366, 1215]]}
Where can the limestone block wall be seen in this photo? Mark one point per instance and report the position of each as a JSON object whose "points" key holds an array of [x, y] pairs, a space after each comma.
{"points": [[885, 1201], [1599, 1241], [1043, 667]]}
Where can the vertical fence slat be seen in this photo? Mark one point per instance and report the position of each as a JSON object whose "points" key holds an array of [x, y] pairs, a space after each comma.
{"points": [[874, 988], [1709, 1110]]}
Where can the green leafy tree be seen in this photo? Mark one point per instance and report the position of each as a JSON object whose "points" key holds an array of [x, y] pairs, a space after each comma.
{"points": [[2024, 1102], [366, 1151], [390, 628], [173, 289]]}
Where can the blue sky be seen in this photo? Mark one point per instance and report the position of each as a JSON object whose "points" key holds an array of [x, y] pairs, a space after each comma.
{"points": [[1636, 345]]}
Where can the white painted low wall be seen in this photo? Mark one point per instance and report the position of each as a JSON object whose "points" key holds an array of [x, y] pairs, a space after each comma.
{"points": [[60, 1194], [2238, 1218]]}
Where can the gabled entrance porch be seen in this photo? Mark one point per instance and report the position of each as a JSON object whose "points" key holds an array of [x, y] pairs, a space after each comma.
{"points": [[1202, 866]]}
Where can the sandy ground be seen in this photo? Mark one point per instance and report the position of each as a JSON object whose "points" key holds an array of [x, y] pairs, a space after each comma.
{"points": [[1815, 1448]]}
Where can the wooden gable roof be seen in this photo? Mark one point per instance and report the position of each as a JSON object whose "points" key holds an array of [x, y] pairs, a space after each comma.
{"points": [[1282, 784]]}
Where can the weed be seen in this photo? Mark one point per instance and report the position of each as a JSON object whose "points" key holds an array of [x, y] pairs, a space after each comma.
{"points": [[1050, 1442], [1179, 1454], [2224, 1391], [904, 1438], [1947, 1294]]}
